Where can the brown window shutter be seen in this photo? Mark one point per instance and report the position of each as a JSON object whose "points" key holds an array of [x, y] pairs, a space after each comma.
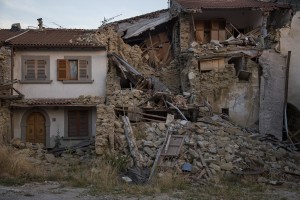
{"points": [[78, 125], [62, 69], [30, 70], [41, 70], [83, 70]]}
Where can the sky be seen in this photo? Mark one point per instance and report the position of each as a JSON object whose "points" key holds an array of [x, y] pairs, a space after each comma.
{"points": [[86, 14]]}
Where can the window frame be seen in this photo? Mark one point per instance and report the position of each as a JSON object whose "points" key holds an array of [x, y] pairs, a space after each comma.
{"points": [[89, 126], [24, 59], [67, 79]]}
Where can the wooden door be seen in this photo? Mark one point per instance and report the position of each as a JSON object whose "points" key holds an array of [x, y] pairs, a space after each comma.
{"points": [[35, 131]]}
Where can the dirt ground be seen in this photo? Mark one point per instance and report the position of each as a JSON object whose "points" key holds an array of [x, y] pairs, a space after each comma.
{"points": [[57, 191]]}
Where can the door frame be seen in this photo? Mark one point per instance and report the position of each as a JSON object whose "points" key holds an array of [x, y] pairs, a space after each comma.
{"points": [[47, 124]]}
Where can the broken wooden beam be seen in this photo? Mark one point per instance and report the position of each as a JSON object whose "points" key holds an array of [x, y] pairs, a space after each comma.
{"points": [[182, 115], [145, 114]]}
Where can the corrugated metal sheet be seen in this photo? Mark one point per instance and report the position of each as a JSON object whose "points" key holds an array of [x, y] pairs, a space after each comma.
{"points": [[137, 25]]}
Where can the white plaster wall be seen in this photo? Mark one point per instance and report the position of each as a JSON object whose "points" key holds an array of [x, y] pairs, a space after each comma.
{"points": [[57, 122], [239, 18], [57, 89], [290, 41]]}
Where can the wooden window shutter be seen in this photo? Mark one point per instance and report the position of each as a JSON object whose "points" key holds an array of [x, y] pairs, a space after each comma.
{"points": [[62, 69], [83, 70], [78, 125], [41, 70], [30, 70], [84, 123]]}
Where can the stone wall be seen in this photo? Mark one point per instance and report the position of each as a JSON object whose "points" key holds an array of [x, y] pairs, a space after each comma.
{"points": [[4, 125], [105, 132], [4, 111], [185, 30], [272, 93], [223, 89]]}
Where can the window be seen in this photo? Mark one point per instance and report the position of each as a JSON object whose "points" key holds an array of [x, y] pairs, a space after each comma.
{"points": [[76, 69], [78, 123], [35, 69]]}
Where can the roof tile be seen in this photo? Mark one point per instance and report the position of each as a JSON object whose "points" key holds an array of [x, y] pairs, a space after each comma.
{"points": [[45, 38]]}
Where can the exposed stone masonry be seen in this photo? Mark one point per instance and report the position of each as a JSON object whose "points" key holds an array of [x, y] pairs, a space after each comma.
{"points": [[104, 129], [4, 111]]}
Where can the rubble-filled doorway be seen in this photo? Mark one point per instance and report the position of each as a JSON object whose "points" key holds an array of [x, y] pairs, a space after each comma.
{"points": [[35, 129]]}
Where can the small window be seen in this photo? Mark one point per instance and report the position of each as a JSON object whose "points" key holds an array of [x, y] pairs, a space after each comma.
{"points": [[76, 69], [225, 111], [78, 123], [35, 68]]}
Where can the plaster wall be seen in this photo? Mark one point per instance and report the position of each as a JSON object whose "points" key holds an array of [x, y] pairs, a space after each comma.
{"points": [[58, 89], [290, 41], [272, 93], [57, 124]]}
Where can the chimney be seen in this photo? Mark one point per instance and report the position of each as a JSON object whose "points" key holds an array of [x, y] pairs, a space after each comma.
{"points": [[15, 27], [40, 20]]}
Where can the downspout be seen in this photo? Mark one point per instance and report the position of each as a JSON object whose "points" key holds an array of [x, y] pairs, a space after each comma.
{"points": [[12, 64]]}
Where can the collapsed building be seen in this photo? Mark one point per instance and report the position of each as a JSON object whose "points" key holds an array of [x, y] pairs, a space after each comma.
{"points": [[193, 60]]}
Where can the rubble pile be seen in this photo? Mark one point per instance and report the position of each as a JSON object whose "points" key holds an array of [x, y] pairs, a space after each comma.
{"points": [[127, 98], [38, 155], [213, 147], [114, 43]]}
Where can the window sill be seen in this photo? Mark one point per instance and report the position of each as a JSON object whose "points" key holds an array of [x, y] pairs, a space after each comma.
{"points": [[77, 81], [35, 82]]}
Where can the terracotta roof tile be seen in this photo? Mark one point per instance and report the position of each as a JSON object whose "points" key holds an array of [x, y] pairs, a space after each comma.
{"points": [[228, 4], [46, 38]]}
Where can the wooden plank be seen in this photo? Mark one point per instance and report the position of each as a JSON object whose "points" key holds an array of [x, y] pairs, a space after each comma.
{"points": [[157, 158], [204, 163], [199, 36], [222, 35], [214, 35]]}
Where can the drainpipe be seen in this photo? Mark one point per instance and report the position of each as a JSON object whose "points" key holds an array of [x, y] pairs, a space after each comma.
{"points": [[12, 64], [287, 72]]}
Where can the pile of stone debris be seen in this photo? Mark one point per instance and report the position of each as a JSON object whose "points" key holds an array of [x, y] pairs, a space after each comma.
{"points": [[38, 155], [211, 148]]}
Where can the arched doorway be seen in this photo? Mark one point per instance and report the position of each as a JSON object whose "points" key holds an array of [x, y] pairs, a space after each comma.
{"points": [[36, 128]]}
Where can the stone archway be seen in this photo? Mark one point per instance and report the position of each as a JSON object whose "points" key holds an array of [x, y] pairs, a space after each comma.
{"points": [[33, 117]]}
